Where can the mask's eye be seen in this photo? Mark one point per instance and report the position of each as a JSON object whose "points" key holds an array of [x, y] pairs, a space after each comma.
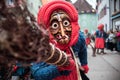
{"points": [[66, 23], [54, 25]]}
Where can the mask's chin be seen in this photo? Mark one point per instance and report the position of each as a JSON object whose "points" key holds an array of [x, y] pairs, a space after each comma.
{"points": [[63, 40]]}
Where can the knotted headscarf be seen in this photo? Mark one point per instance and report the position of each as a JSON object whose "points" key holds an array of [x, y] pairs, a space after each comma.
{"points": [[86, 30], [100, 27]]}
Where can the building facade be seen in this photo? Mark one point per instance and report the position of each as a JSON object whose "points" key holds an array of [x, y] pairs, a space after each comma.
{"points": [[109, 14], [103, 12], [115, 14], [87, 16]]}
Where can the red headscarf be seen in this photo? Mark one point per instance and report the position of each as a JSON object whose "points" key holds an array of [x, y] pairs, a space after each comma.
{"points": [[46, 11], [86, 30], [100, 27]]}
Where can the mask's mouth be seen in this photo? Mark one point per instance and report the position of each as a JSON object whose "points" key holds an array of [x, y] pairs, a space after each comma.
{"points": [[62, 39]]}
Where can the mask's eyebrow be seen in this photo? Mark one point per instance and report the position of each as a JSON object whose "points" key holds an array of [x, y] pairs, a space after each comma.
{"points": [[58, 17], [53, 19]]}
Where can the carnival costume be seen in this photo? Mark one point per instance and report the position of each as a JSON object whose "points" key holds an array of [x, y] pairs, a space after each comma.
{"points": [[87, 37], [60, 18], [100, 37]]}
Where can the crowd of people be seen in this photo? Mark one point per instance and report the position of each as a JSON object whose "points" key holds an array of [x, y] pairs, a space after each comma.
{"points": [[103, 40], [113, 40]]}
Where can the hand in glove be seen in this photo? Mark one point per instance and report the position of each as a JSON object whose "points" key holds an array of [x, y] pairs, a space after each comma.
{"points": [[85, 68]]}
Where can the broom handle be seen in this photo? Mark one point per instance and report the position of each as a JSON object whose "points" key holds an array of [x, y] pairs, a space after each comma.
{"points": [[78, 72]]}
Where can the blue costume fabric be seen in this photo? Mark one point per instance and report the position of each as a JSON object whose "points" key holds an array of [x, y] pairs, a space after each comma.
{"points": [[80, 49], [20, 71], [101, 34], [118, 46], [43, 71]]}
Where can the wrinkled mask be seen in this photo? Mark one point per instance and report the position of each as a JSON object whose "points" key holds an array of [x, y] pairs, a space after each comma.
{"points": [[60, 27]]}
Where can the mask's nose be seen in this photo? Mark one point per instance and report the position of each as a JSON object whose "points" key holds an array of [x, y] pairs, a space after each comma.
{"points": [[61, 26], [62, 29]]}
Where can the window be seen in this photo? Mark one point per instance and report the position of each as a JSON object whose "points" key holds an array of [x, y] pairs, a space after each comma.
{"points": [[102, 12], [115, 4]]}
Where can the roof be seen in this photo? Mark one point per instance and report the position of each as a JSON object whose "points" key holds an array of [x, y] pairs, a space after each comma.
{"points": [[83, 6]]}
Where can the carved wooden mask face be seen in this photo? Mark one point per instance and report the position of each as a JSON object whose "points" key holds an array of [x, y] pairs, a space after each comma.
{"points": [[60, 27]]}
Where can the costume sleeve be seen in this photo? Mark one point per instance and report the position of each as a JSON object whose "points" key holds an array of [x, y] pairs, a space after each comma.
{"points": [[105, 35], [97, 33], [43, 71], [80, 49]]}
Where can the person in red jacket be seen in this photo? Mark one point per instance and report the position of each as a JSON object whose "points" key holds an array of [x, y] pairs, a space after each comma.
{"points": [[60, 18]]}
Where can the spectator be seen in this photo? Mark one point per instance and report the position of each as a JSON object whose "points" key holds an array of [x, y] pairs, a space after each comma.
{"points": [[118, 39], [111, 40]]}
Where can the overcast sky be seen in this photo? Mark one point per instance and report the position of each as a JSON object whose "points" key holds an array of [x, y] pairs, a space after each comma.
{"points": [[91, 2]]}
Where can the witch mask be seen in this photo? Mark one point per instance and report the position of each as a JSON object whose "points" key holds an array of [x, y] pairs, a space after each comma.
{"points": [[60, 27]]}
